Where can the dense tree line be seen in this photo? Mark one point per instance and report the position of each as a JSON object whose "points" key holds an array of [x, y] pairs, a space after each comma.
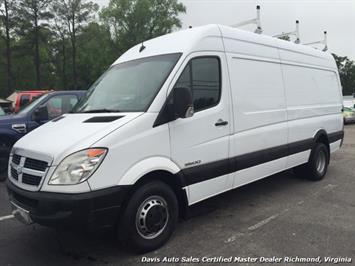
{"points": [[347, 73], [67, 44]]}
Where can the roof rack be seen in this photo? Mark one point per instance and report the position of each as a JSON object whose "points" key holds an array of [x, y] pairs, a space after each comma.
{"points": [[324, 42], [255, 21], [295, 33]]}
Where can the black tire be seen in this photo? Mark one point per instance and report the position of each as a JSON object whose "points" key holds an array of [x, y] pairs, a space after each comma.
{"points": [[317, 166], [5, 149], [159, 208]]}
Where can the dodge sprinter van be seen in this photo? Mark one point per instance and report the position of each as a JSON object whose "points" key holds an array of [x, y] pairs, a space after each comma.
{"points": [[174, 121]]}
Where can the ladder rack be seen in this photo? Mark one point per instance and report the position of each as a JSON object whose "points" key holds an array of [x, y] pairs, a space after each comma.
{"points": [[324, 42], [255, 21], [295, 33]]}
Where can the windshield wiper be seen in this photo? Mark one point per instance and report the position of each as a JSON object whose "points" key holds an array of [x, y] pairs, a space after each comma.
{"points": [[100, 111]]}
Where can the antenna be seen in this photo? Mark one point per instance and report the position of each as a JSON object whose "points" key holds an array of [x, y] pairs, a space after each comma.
{"points": [[255, 21], [324, 42], [142, 47], [295, 33]]}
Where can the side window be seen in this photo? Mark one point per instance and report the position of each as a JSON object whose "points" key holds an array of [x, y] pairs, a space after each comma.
{"points": [[60, 104], [24, 100], [203, 77]]}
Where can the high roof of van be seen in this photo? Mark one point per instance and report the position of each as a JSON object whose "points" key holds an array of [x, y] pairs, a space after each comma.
{"points": [[235, 41]]}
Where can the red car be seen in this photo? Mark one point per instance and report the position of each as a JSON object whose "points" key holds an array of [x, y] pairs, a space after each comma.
{"points": [[23, 98]]}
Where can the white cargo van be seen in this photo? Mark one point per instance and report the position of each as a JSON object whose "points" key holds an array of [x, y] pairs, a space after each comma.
{"points": [[174, 121]]}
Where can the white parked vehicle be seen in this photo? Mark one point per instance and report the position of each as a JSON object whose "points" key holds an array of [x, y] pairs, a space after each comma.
{"points": [[349, 103], [174, 121]]}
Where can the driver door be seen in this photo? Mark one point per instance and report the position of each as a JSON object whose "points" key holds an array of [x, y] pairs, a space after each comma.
{"points": [[200, 144]]}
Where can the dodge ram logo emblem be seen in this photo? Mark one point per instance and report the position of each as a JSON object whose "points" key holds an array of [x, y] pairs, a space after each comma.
{"points": [[19, 170]]}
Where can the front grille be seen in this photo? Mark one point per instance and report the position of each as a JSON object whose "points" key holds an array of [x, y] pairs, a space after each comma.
{"points": [[14, 173], [28, 171], [16, 159], [35, 164], [31, 179]]}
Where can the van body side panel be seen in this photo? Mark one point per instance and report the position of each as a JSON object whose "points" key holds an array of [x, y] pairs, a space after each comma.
{"points": [[313, 101], [209, 188], [259, 143], [334, 146], [298, 158], [249, 44]]}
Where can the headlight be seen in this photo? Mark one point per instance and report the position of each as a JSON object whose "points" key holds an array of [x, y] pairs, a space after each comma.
{"points": [[78, 167]]}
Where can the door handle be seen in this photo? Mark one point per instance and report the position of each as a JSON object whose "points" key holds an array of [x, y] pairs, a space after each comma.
{"points": [[220, 122]]}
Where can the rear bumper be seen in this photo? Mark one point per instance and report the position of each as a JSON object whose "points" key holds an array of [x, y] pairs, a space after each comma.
{"points": [[96, 209]]}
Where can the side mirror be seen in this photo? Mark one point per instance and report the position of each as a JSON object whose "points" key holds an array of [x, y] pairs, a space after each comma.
{"points": [[41, 114], [183, 105]]}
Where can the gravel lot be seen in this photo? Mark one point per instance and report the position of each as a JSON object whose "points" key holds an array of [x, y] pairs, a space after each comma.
{"points": [[279, 216]]}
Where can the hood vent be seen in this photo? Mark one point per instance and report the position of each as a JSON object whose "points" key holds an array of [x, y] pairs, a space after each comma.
{"points": [[102, 119], [57, 119]]}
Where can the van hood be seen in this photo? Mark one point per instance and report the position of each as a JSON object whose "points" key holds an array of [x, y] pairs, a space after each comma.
{"points": [[68, 134]]}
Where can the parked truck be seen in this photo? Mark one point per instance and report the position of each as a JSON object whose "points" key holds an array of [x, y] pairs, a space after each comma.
{"points": [[13, 127]]}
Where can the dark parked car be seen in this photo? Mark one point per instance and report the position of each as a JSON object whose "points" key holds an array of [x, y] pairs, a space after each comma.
{"points": [[38, 112]]}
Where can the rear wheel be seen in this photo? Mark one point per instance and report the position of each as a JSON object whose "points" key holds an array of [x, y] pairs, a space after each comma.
{"points": [[149, 218], [317, 166], [4, 159]]}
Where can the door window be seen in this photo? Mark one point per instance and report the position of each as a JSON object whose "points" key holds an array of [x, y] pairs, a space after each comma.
{"points": [[60, 104], [203, 76]]}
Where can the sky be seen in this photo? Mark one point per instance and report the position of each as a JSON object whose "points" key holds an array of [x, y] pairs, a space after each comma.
{"points": [[337, 17]]}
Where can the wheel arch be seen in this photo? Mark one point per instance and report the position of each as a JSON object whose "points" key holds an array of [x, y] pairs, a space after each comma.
{"points": [[7, 137], [9, 140], [321, 137], [157, 169], [173, 181]]}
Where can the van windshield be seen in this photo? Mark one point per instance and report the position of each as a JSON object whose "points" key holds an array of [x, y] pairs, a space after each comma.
{"points": [[128, 87]]}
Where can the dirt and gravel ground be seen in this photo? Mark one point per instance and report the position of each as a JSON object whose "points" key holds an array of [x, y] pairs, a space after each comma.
{"points": [[279, 216]]}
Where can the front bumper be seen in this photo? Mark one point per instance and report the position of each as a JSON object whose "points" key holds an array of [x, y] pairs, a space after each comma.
{"points": [[96, 209]]}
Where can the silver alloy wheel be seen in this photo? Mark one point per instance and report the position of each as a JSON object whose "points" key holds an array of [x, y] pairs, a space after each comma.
{"points": [[152, 217], [321, 162]]}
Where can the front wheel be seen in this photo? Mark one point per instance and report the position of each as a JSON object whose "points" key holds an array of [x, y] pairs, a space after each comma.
{"points": [[149, 218], [4, 159], [317, 165]]}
